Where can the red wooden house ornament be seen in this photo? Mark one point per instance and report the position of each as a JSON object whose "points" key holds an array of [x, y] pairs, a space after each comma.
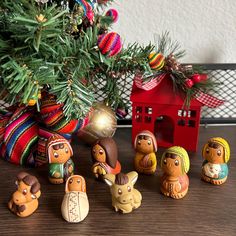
{"points": [[160, 110]]}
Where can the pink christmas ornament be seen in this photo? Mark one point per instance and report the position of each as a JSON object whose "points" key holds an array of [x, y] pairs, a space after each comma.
{"points": [[113, 13]]}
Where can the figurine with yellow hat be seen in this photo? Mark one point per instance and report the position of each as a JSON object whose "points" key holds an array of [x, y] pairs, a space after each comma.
{"points": [[175, 166], [145, 145], [216, 153]]}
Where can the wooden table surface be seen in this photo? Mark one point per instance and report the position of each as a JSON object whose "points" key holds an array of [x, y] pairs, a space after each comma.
{"points": [[206, 210]]}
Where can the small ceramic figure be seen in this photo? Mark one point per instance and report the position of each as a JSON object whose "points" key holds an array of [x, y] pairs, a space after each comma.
{"points": [[216, 153], [24, 201], [59, 153], [105, 158], [125, 197], [145, 145], [75, 205], [175, 166]]}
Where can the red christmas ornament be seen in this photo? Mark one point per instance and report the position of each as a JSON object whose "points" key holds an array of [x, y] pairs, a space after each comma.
{"points": [[189, 83], [204, 77], [196, 78]]}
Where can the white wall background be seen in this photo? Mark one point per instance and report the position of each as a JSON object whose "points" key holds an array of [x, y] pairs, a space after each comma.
{"points": [[205, 28]]}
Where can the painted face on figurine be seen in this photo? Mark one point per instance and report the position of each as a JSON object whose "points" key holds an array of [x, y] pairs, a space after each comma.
{"points": [[172, 165], [214, 153], [75, 183], [144, 144], [59, 153], [99, 153]]}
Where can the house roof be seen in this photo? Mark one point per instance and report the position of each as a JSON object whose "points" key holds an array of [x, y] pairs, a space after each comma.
{"points": [[162, 94]]}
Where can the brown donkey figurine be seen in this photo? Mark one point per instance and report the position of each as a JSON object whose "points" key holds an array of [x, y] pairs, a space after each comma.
{"points": [[24, 201]]}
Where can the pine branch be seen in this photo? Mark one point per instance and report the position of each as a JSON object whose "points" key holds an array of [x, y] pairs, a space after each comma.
{"points": [[166, 46]]}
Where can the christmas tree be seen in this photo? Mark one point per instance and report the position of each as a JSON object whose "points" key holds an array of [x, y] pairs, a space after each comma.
{"points": [[64, 48]]}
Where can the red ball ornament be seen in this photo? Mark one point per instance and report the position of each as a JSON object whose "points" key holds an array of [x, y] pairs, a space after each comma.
{"points": [[110, 44], [196, 78], [113, 13], [204, 77], [189, 83]]}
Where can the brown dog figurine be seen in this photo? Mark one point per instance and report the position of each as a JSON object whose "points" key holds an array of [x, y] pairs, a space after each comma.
{"points": [[24, 201]]}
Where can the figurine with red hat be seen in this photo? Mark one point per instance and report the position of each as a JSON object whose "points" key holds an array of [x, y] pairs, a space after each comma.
{"points": [[59, 153]]}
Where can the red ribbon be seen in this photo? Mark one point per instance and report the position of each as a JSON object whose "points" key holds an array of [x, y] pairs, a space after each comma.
{"points": [[150, 84], [208, 100]]}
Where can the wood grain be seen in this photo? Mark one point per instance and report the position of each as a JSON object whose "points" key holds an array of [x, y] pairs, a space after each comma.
{"points": [[206, 210]]}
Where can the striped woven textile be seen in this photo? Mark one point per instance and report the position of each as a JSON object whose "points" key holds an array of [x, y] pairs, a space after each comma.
{"points": [[20, 138], [41, 157], [4, 118], [54, 119]]}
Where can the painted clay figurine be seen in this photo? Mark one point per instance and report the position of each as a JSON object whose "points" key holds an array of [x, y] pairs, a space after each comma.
{"points": [[216, 153], [175, 166], [105, 158], [59, 152], [145, 145], [24, 201], [125, 197], [75, 205]]}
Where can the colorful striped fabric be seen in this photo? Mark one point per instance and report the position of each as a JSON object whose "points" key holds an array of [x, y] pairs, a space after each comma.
{"points": [[54, 119], [156, 60], [86, 5], [41, 156], [110, 44], [20, 138], [4, 118]]}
